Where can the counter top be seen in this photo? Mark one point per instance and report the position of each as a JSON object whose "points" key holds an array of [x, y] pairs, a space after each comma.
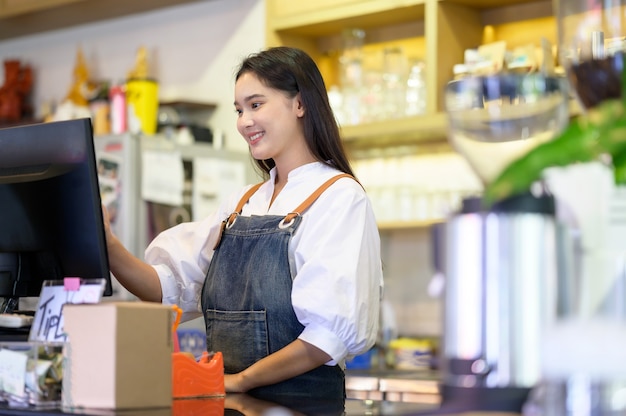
{"points": [[250, 406], [420, 386], [241, 404], [417, 386]]}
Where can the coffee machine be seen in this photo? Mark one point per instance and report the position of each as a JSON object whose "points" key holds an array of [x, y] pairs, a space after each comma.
{"points": [[554, 258], [501, 269], [503, 264]]}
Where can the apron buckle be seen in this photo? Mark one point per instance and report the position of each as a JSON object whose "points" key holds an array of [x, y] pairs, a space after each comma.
{"points": [[288, 220]]}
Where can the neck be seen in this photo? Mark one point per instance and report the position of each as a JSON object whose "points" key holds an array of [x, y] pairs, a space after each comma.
{"points": [[282, 174]]}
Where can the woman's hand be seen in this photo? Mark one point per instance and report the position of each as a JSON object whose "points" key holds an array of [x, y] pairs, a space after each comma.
{"points": [[137, 277], [233, 383], [108, 232], [294, 359]]}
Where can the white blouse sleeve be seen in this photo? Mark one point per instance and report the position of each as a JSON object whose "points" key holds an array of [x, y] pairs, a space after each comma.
{"points": [[181, 257], [338, 286]]}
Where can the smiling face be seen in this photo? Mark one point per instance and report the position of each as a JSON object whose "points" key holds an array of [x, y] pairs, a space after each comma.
{"points": [[270, 122]]}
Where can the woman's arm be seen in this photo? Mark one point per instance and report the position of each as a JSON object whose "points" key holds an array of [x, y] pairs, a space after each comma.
{"points": [[294, 359], [175, 263], [137, 277], [337, 290]]}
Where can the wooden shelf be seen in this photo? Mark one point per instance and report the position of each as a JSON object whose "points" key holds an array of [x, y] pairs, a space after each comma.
{"points": [[11, 8], [410, 130], [435, 31], [26, 17], [407, 225], [19, 123], [492, 4], [366, 14], [184, 105]]}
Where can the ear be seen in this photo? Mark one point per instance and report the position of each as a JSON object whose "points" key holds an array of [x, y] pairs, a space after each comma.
{"points": [[299, 106]]}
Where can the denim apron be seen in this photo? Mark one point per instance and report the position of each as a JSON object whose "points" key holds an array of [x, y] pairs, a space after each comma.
{"points": [[246, 299]]}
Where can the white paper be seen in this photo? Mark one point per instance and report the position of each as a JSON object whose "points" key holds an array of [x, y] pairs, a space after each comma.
{"points": [[213, 180], [48, 322], [162, 177], [13, 372]]}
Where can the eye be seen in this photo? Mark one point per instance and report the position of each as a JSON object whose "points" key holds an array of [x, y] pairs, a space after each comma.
{"points": [[255, 105], [238, 111]]}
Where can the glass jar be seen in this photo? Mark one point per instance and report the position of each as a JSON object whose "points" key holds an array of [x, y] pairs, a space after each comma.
{"points": [[591, 36]]}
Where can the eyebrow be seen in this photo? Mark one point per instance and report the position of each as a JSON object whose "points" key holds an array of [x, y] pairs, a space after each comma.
{"points": [[250, 98]]}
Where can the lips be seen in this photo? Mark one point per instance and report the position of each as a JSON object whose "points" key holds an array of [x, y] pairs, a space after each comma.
{"points": [[256, 137]]}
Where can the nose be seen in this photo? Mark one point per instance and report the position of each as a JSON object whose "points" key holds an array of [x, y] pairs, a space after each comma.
{"points": [[245, 119]]}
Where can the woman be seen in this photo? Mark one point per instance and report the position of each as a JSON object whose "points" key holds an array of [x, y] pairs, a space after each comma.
{"points": [[286, 298]]}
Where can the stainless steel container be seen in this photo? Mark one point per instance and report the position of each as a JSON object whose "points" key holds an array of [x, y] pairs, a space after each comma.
{"points": [[500, 270]]}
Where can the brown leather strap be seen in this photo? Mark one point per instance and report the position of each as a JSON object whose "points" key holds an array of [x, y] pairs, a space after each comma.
{"points": [[243, 201], [309, 201], [289, 217], [299, 210], [231, 218]]}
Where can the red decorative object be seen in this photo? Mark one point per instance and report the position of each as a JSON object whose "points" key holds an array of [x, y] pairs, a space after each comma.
{"points": [[18, 81]]}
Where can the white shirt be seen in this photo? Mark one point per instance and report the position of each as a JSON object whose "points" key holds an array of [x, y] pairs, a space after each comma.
{"points": [[334, 257]]}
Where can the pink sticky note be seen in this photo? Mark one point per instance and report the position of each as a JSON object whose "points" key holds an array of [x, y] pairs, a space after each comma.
{"points": [[71, 283]]}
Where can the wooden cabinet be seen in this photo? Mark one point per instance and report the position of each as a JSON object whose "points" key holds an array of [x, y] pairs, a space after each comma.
{"points": [[10, 8], [289, 9], [437, 31], [26, 17]]}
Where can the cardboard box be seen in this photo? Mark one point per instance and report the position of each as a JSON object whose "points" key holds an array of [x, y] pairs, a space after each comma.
{"points": [[118, 355]]}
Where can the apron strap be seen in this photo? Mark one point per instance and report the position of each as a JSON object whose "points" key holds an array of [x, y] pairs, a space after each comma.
{"points": [[313, 197], [231, 218], [289, 217], [242, 202]]}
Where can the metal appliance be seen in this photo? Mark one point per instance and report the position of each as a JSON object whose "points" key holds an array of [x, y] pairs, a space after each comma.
{"points": [[510, 272], [501, 276], [501, 264]]}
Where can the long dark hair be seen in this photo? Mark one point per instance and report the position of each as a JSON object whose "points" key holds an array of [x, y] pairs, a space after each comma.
{"points": [[292, 71]]}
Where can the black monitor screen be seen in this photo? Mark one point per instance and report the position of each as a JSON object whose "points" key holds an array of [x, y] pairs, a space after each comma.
{"points": [[50, 211]]}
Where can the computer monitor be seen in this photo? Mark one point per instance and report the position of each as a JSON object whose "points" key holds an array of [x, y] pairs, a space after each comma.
{"points": [[51, 223]]}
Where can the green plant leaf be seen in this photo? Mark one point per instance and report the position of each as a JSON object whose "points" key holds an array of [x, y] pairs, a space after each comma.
{"points": [[602, 130]]}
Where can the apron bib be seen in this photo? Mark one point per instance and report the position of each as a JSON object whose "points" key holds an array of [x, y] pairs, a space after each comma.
{"points": [[246, 299]]}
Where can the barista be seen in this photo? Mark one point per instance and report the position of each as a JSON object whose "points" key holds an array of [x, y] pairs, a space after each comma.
{"points": [[287, 273]]}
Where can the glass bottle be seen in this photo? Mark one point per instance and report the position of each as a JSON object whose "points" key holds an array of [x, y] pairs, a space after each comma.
{"points": [[394, 78], [416, 89], [351, 74]]}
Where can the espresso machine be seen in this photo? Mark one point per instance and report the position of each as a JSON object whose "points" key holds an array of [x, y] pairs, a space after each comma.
{"points": [[535, 285], [501, 269], [503, 265]]}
